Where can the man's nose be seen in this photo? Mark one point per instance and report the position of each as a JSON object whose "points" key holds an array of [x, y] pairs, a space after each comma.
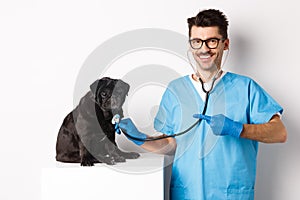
{"points": [[203, 49]]}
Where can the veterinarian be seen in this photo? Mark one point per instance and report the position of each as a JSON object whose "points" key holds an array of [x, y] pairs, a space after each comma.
{"points": [[217, 158]]}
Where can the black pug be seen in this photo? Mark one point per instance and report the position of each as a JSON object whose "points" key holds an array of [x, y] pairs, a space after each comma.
{"points": [[87, 135]]}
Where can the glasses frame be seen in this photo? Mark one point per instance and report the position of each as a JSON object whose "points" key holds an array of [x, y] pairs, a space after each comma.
{"points": [[205, 41]]}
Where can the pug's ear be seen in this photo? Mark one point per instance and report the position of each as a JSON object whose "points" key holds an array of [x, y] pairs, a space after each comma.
{"points": [[125, 86], [99, 84], [94, 87]]}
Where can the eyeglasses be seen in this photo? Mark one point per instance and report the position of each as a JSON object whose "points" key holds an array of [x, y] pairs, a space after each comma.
{"points": [[211, 43]]}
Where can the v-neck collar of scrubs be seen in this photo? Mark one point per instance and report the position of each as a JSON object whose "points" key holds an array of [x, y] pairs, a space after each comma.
{"points": [[198, 87]]}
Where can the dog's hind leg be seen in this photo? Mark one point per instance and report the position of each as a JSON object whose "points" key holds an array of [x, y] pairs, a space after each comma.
{"points": [[67, 148]]}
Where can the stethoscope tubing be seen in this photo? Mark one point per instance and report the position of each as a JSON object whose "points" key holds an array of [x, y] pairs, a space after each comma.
{"points": [[180, 133]]}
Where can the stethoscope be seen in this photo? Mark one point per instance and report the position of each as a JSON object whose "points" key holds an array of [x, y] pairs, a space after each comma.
{"points": [[116, 118]]}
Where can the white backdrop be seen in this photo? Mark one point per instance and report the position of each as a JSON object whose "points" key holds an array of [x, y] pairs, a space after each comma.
{"points": [[43, 45]]}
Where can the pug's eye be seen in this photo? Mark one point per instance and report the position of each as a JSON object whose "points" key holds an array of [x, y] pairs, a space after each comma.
{"points": [[103, 94]]}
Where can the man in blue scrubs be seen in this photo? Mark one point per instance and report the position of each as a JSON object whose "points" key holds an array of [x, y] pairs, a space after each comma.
{"points": [[217, 158]]}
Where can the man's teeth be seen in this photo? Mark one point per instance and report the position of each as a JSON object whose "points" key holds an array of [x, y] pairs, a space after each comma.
{"points": [[204, 56]]}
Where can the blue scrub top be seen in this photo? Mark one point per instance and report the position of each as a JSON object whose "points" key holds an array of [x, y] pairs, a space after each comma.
{"points": [[208, 166]]}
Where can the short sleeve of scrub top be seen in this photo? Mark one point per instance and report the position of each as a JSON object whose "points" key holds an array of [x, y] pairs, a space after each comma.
{"points": [[262, 106]]}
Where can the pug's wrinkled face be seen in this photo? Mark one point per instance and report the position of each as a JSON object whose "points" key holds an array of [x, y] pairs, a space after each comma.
{"points": [[110, 93]]}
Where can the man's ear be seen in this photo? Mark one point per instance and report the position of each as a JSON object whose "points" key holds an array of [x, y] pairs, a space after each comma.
{"points": [[226, 44]]}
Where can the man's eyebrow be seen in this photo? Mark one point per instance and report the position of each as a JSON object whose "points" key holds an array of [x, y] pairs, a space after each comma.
{"points": [[204, 40]]}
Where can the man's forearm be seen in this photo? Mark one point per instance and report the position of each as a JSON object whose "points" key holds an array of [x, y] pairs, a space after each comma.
{"points": [[271, 132], [165, 146]]}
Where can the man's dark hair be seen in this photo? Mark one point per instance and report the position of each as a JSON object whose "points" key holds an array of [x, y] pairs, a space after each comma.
{"points": [[209, 18]]}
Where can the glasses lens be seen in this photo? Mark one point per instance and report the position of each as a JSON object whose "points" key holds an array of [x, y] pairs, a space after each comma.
{"points": [[212, 43], [196, 43]]}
